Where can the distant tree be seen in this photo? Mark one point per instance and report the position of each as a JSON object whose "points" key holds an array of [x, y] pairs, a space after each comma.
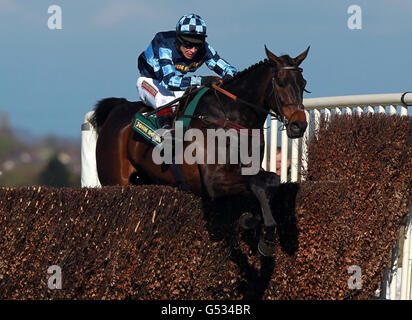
{"points": [[5, 128], [56, 174]]}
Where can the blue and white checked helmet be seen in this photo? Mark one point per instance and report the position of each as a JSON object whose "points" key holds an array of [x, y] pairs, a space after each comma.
{"points": [[191, 25]]}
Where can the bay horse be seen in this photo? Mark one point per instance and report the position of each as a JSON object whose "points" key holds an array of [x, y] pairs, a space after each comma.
{"points": [[272, 86]]}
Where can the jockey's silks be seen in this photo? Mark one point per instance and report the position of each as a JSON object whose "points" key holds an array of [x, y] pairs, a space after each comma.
{"points": [[164, 62]]}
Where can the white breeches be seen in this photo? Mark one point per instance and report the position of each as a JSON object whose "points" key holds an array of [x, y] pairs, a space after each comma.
{"points": [[153, 94]]}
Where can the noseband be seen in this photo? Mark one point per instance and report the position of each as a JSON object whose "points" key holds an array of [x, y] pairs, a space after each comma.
{"points": [[279, 114]]}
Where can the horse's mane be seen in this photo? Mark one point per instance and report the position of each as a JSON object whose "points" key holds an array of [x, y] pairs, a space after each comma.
{"points": [[240, 74]]}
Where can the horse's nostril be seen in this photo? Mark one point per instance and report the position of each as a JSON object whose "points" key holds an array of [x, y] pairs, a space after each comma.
{"points": [[297, 129], [298, 126], [294, 127]]}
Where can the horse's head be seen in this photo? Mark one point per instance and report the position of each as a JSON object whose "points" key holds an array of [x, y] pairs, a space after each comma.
{"points": [[284, 94]]}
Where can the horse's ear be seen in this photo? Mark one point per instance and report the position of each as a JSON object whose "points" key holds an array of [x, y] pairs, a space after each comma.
{"points": [[272, 57], [301, 57]]}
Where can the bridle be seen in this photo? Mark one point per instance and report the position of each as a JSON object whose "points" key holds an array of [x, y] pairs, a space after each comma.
{"points": [[278, 105]]}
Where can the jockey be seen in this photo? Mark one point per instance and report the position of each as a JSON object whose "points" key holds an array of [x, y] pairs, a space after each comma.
{"points": [[167, 60]]}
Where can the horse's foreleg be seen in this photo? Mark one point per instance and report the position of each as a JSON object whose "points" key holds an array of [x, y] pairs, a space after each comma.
{"points": [[259, 185]]}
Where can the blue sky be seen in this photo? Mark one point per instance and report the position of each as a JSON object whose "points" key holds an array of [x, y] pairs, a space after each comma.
{"points": [[49, 79]]}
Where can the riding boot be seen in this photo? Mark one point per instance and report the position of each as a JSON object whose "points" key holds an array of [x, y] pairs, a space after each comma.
{"points": [[164, 119], [164, 122]]}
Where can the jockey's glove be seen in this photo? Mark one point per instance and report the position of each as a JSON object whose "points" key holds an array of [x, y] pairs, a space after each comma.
{"points": [[207, 81], [227, 77]]}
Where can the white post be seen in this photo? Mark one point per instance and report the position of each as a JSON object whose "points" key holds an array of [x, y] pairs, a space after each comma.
{"points": [[409, 235], [316, 119], [273, 144], [89, 176], [338, 111], [381, 109], [406, 261], [404, 111], [327, 114], [394, 273], [305, 142], [265, 151], [284, 158], [294, 160]]}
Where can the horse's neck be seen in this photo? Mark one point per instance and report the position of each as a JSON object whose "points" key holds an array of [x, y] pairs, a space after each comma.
{"points": [[251, 87]]}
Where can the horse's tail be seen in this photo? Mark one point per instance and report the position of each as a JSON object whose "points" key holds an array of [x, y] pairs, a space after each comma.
{"points": [[103, 109]]}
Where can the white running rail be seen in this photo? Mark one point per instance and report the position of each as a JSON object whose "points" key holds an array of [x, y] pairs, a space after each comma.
{"points": [[89, 177], [397, 282]]}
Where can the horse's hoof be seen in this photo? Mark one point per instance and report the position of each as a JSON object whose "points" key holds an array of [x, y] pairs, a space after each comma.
{"points": [[248, 221], [266, 247]]}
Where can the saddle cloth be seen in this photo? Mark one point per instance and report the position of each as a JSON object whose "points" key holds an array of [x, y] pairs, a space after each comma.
{"points": [[146, 126]]}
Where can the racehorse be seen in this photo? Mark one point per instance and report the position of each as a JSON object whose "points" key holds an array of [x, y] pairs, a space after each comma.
{"points": [[273, 86]]}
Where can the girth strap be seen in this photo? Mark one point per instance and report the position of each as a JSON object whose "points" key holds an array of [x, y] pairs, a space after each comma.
{"points": [[177, 173]]}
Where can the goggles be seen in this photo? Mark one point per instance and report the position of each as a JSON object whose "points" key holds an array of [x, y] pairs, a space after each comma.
{"points": [[190, 45], [187, 44]]}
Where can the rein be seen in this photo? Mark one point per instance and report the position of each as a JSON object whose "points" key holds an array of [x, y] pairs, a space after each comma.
{"points": [[237, 99]]}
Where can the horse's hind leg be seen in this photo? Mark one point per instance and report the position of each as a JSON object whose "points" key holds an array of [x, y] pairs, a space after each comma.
{"points": [[113, 166], [260, 184]]}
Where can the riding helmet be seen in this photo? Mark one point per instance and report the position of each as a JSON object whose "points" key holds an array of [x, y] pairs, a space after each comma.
{"points": [[191, 28]]}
